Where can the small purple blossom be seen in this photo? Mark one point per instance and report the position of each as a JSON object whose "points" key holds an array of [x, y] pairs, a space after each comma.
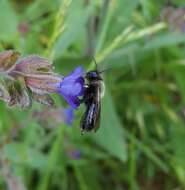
{"points": [[74, 154], [72, 86], [69, 115]]}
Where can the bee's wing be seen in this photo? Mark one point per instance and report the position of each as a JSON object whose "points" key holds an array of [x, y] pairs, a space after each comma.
{"points": [[97, 124]]}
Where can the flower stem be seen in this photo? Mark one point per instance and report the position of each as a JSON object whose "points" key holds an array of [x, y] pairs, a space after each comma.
{"points": [[52, 159], [128, 36], [106, 17], [59, 27]]}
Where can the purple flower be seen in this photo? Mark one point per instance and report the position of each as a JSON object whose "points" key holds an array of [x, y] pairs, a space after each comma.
{"points": [[74, 154], [72, 86], [69, 115]]}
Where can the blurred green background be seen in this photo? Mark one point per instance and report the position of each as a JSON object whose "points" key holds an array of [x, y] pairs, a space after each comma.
{"points": [[140, 144]]}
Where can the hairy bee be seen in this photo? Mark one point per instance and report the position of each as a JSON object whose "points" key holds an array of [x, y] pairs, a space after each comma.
{"points": [[94, 90]]}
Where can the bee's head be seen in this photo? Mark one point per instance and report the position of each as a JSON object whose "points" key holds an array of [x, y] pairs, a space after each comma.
{"points": [[93, 75]]}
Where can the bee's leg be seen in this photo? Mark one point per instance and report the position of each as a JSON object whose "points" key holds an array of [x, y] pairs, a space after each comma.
{"points": [[83, 98], [82, 132]]}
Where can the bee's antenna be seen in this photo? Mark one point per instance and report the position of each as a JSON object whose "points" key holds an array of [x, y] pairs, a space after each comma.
{"points": [[93, 58]]}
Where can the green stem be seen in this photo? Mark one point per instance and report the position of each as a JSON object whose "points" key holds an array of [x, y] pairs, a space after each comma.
{"points": [[59, 27], [1, 47], [132, 165], [116, 42], [53, 155], [79, 176], [106, 17], [106, 20], [128, 36], [147, 151]]}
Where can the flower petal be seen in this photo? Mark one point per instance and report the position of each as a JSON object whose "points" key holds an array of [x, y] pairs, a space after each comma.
{"points": [[78, 72], [72, 86], [73, 89], [73, 101], [69, 113]]}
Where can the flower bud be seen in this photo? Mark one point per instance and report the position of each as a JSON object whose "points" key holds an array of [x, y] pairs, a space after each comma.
{"points": [[4, 94], [19, 94], [38, 76], [34, 65], [7, 60]]}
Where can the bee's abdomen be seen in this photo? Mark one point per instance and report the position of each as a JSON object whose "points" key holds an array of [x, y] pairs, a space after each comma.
{"points": [[89, 118]]}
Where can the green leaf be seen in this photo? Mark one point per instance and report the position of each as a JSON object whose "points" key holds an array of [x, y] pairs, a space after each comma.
{"points": [[123, 10], [8, 20], [21, 154], [178, 135], [110, 135], [74, 27], [164, 40], [38, 8], [177, 70]]}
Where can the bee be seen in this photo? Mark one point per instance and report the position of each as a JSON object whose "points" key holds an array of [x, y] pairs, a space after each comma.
{"points": [[94, 91]]}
